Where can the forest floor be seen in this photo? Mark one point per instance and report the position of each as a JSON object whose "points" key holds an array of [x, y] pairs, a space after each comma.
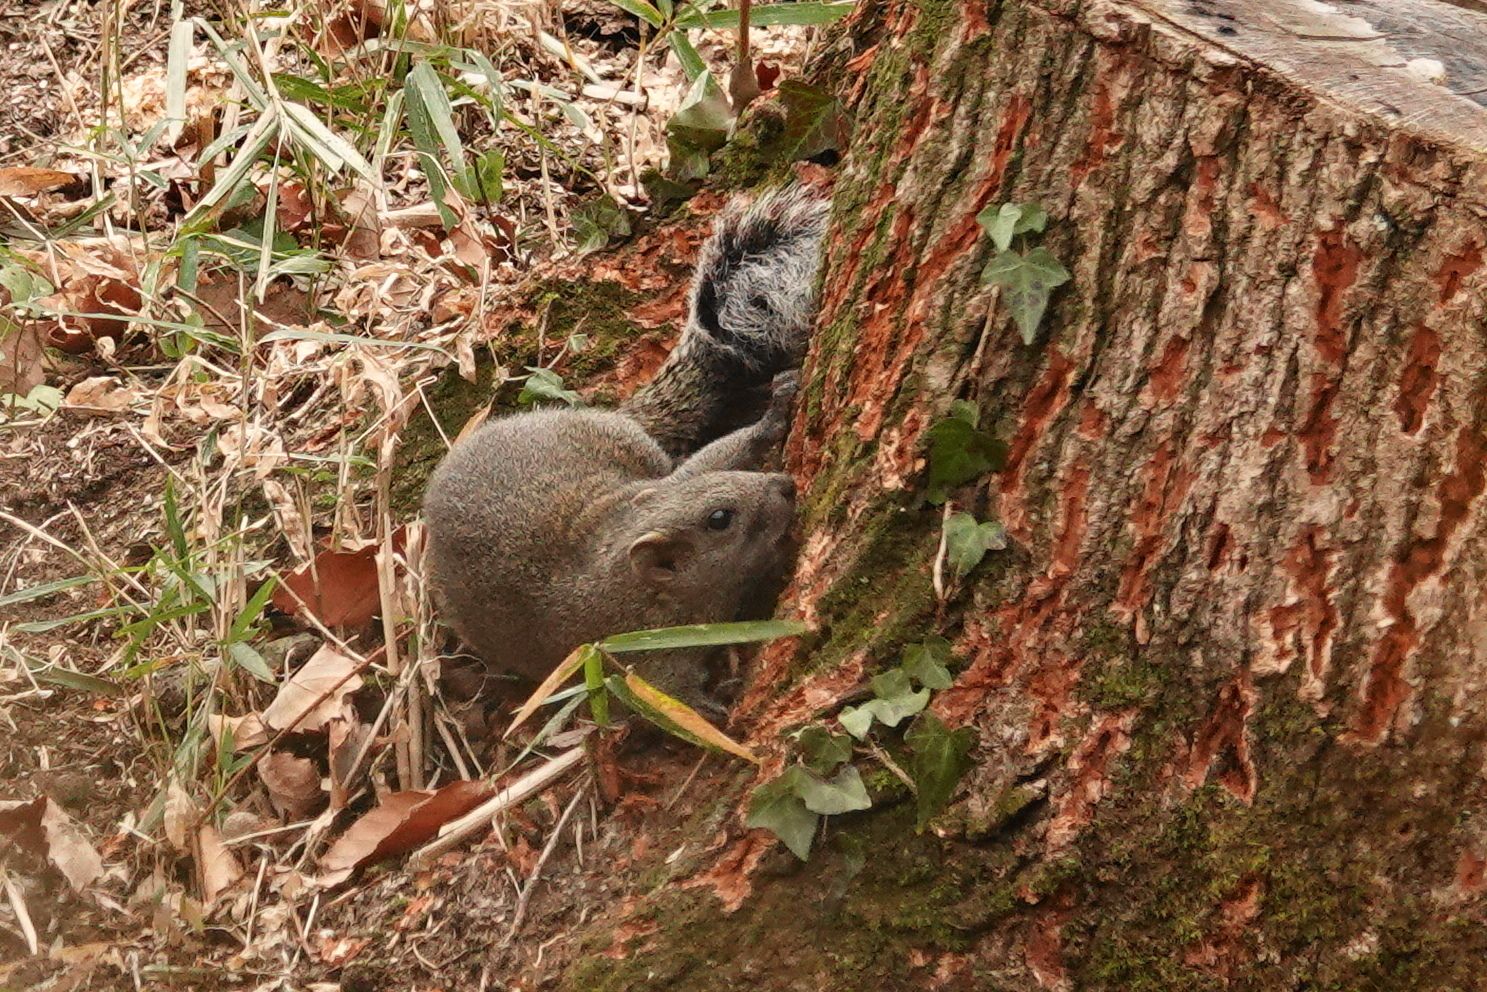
{"points": [[225, 375]]}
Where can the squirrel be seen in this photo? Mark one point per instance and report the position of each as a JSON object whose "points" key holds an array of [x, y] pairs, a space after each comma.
{"points": [[554, 528]]}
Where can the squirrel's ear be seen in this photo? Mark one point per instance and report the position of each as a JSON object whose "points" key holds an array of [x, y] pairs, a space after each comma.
{"points": [[656, 556]]}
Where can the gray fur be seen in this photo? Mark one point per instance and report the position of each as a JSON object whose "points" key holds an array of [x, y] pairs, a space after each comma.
{"points": [[534, 522], [755, 290], [547, 530], [752, 307]]}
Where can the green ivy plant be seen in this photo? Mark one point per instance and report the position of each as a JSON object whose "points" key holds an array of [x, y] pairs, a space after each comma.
{"points": [[960, 452], [823, 781], [1028, 276]]}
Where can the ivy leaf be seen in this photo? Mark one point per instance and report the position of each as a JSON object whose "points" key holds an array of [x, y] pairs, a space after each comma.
{"points": [[940, 758], [966, 541], [926, 662], [596, 222], [958, 453], [843, 794], [896, 701], [856, 720], [1010, 219], [545, 384], [698, 128], [892, 712], [892, 684], [823, 750], [814, 123], [1029, 280], [776, 808]]}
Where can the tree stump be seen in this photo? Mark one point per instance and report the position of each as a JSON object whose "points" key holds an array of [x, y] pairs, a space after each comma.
{"points": [[1228, 680]]}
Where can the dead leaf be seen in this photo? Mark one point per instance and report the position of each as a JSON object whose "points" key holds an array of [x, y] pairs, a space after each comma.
{"points": [[335, 951], [100, 392], [403, 821], [295, 209], [24, 180], [247, 731], [565, 670], [217, 865], [347, 736], [364, 235], [44, 828], [473, 424], [293, 784], [340, 588], [222, 310], [22, 357], [289, 517], [523, 856], [180, 816], [313, 695]]}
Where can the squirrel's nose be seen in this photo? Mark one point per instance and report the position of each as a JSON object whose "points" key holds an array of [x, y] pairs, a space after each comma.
{"points": [[785, 486]]}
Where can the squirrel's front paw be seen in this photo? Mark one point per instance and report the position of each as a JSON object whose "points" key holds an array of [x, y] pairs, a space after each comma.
{"points": [[782, 392]]}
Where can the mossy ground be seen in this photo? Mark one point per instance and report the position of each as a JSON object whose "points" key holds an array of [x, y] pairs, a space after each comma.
{"points": [[553, 314]]}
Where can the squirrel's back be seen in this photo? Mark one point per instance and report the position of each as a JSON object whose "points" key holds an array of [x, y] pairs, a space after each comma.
{"points": [[511, 512]]}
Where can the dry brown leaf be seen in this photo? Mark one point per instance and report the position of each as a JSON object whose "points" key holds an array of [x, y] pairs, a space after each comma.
{"points": [[565, 671], [222, 307], [295, 209], [335, 951], [473, 424], [180, 817], [293, 784], [247, 731], [400, 823], [340, 589], [347, 736], [217, 866], [100, 392], [24, 180], [289, 517], [44, 828], [22, 356], [313, 695], [364, 235]]}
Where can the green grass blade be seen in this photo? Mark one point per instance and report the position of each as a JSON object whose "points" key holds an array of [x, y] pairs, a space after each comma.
{"points": [[44, 590], [642, 10], [687, 55], [263, 131], [702, 635], [319, 140], [432, 119], [769, 15]]}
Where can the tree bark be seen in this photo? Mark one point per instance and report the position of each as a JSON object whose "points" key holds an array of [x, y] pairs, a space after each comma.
{"points": [[1227, 681]]}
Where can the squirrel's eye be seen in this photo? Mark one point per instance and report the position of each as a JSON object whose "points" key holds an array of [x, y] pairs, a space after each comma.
{"points": [[719, 519]]}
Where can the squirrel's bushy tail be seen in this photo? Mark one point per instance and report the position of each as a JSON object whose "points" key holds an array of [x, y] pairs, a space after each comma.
{"points": [[753, 304]]}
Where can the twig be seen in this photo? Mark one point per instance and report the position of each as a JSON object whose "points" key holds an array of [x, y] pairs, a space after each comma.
{"points": [[938, 573], [547, 849], [892, 766], [456, 831], [18, 905], [695, 769]]}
